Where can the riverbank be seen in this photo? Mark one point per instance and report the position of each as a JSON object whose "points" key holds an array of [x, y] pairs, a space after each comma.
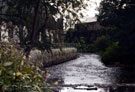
{"points": [[54, 56]]}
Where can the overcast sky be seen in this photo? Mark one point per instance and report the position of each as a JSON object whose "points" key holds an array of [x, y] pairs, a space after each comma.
{"points": [[90, 11]]}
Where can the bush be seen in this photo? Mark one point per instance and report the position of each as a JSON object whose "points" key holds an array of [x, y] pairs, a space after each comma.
{"points": [[102, 43], [112, 53], [16, 73]]}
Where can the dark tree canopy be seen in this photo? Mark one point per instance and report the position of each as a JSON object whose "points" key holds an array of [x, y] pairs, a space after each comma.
{"points": [[118, 13], [22, 11], [35, 14]]}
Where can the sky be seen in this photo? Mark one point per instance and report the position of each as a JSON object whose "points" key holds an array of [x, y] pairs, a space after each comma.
{"points": [[90, 11]]}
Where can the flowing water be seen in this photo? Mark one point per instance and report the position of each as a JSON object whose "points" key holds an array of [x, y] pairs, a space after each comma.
{"points": [[89, 74]]}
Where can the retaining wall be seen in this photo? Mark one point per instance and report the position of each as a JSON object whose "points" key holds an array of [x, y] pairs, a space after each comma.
{"points": [[53, 57]]}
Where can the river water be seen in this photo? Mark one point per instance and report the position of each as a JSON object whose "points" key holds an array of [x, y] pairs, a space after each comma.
{"points": [[88, 70]]}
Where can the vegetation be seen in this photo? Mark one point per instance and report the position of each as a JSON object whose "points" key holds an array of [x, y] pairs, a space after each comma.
{"points": [[119, 15], [84, 43], [101, 43], [111, 53], [37, 16], [18, 74], [115, 42]]}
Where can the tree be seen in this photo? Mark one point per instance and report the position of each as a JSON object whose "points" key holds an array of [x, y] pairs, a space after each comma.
{"points": [[35, 13], [119, 15]]}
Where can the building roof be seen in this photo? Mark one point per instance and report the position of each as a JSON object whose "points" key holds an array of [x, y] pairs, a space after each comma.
{"points": [[89, 26]]}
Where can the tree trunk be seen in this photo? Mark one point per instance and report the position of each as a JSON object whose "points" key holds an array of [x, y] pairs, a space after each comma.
{"points": [[34, 28]]}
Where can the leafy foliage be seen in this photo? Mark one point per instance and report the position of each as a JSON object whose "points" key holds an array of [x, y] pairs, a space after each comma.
{"points": [[117, 13], [22, 12], [36, 15], [119, 16], [112, 53], [18, 74], [84, 42], [101, 43]]}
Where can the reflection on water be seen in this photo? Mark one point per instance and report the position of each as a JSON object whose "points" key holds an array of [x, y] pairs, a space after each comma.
{"points": [[87, 69], [66, 89]]}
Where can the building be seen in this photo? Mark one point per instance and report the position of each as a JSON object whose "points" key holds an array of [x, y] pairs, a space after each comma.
{"points": [[89, 26], [93, 26], [88, 31]]}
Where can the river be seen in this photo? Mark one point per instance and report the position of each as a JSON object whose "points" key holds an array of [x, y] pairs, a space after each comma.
{"points": [[88, 70]]}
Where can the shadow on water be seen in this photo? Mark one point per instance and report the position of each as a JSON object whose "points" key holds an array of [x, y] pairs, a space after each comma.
{"points": [[87, 72], [127, 75]]}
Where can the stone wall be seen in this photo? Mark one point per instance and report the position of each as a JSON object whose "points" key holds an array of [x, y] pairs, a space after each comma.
{"points": [[53, 57]]}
